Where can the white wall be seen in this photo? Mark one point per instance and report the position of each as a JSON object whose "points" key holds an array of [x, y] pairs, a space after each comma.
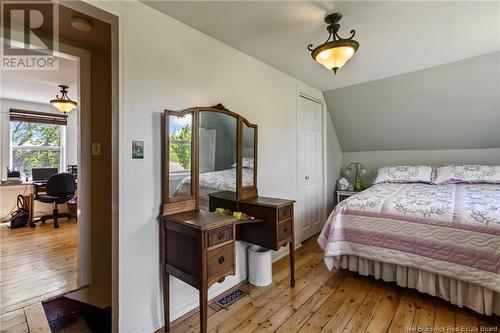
{"points": [[166, 64], [375, 159], [71, 130]]}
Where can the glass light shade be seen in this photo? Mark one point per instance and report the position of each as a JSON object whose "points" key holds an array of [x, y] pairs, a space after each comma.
{"points": [[347, 171], [63, 106], [335, 57]]}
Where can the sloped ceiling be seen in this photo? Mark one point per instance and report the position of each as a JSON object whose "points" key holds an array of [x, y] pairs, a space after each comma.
{"points": [[426, 75], [395, 37], [452, 106]]}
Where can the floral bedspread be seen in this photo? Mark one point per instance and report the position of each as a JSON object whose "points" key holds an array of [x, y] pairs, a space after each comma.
{"points": [[223, 180], [451, 230]]}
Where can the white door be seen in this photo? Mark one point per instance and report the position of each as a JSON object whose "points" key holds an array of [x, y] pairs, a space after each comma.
{"points": [[310, 162]]}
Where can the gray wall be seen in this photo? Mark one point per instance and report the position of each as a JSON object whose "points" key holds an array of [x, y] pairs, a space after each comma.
{"points": [[226, 141], [334, 160], [451, 106], [440, 115], [376, 159]]}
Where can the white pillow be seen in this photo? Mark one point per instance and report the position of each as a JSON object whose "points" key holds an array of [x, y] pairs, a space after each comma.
{"points": [[404, 174], [247, 163], [468, 174]]}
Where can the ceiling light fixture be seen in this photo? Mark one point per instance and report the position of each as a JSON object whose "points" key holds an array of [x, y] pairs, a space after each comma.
{"points": [[63, 103], [335, 53]]}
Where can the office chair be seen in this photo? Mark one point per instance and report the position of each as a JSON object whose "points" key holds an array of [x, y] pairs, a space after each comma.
{"points": [[60, 189]]}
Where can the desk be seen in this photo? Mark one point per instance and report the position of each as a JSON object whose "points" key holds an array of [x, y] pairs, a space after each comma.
{"points": [[8, 198], [197, 246]]}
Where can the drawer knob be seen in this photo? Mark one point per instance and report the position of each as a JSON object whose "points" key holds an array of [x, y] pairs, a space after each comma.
{"points": [[221, 259], [220, 235], [284, 230]]}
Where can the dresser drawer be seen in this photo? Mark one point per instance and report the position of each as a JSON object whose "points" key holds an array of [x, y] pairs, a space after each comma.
{"points": [[220, 261], [220, 235], [284, 213], [284, 230]]}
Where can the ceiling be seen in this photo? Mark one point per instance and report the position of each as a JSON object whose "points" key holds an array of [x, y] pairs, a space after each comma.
{"points": [[40, 86], [395, 37]]}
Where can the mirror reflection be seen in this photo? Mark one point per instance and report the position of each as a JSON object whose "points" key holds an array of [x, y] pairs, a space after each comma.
{"points": [[179, 155], [248, 161], [217, 154]]}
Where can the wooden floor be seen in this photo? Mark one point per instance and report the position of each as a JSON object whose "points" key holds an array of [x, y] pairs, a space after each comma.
{"points": [[338, 301], [35, 265]]}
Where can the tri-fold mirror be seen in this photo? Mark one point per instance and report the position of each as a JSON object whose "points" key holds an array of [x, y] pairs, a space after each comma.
{"points": [[207, 150]]}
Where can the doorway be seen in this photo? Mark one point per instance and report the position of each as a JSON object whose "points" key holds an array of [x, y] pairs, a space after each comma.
{"points": [[41, 260], [310, 167], [97, 267]]}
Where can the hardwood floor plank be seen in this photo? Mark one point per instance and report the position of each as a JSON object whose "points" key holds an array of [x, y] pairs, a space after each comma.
{"points": [[36, 319], [257, 312], [306, 253], [359, 322], [424, 313], [293, 305], [488, 323], [36, 264], [339, 301], [444, 319], [404, 314], [302, 315], [258, 297], [331, 306], [11, 320], [342, 317], [20, 328], [465, 320], [311, 282], [382, 318]]}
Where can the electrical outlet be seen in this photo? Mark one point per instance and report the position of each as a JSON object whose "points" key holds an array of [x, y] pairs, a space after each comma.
{"points": [[96, 148]]}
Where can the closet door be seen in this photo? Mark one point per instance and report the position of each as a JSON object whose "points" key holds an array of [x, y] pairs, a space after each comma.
{"points": [[310, 163]]}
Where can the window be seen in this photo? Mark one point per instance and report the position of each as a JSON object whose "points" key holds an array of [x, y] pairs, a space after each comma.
{"points": [[36, 141], [180, 129]]}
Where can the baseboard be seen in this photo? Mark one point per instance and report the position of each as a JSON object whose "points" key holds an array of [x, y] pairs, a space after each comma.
{"points": [[157, 321]]}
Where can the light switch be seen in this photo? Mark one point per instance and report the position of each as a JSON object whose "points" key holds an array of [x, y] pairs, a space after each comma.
{"points": [[96, 148]]}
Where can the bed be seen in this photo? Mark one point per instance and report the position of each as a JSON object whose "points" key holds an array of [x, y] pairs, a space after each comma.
{"points": [[215, 181], [443, 240]]}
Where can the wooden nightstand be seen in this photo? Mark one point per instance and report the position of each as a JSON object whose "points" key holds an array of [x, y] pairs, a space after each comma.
{"points": [[342, 195]]}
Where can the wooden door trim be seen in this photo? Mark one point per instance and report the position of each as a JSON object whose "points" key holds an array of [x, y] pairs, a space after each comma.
{"points": [[113, 21]]}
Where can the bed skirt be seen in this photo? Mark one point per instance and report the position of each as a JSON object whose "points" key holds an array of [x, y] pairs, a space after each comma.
{"points": [[479, 299]]}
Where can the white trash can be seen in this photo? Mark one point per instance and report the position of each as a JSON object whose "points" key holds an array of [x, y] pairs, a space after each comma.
{"points": [[260, 266]]}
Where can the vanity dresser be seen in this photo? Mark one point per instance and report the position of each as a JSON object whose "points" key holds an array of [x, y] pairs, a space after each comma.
{"points": [[210, 162]]}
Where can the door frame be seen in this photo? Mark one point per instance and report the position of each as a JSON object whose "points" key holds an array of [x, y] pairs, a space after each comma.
{"points": [[82, 57], [114, 21], [84, 163], [323, 205], [85, 138]]}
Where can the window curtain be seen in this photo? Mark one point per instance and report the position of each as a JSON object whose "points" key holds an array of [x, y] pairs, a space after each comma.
{"points": [[38, 117], [207, 150]]}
